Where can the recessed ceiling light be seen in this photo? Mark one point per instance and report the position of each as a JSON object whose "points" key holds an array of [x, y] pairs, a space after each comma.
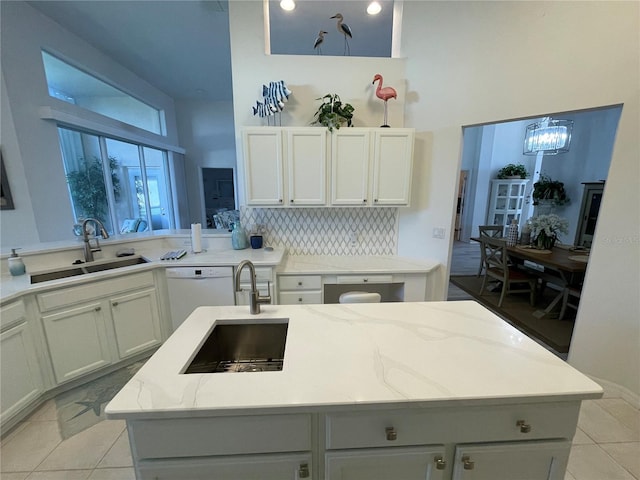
{"points": [[374, 8], [287, 5]]}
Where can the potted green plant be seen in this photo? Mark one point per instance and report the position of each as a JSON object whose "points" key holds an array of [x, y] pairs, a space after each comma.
{"points": [[332, 113], [88, 189], [549, 191], [513, 171]]}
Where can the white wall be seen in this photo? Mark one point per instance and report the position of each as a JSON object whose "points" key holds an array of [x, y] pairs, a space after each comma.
{"points": [[206, 132], [467, 65], [37, 139]]}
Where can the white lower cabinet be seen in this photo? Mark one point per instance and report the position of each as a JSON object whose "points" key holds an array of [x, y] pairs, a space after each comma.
{"points": [[300, 289], [136, 321], [77, 341], [20, 373], [91, 326], [292, 466], [521, 461], [408, 463]]}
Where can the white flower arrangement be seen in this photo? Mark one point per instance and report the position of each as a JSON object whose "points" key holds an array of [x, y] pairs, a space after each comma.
{"points": [[551, 224]]}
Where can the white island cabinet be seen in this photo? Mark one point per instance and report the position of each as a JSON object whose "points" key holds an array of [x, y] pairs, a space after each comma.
{"points": [[403, 391]]}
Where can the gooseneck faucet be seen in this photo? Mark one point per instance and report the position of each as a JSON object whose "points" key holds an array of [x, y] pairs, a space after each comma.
{"points": [[254, 297], [88, 249]]}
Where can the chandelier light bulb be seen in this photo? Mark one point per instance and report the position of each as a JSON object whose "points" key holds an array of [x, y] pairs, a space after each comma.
{"points": [[374, 8], [287, 5]]}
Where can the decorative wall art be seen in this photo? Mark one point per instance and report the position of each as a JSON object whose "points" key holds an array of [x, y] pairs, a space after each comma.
{"points": [[273, 98], [6, 201]]}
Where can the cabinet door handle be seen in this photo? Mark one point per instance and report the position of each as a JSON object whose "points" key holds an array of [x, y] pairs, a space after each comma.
{"points": [[299, 284], [524, 426], [375, 200], [280, 200], [115, 304], [364, 200], [97, 309], [440, 462], [391, 434], [291, 201], [300, 299], [365, 280], [303, 471], [467, 464]]}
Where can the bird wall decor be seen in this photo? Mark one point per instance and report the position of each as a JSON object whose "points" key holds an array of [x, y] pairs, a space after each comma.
{"points": [[317, 45], [344, 29], [384, 94]]}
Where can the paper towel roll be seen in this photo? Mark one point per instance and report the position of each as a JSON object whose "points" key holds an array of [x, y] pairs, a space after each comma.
{"points": [[196, 237]]}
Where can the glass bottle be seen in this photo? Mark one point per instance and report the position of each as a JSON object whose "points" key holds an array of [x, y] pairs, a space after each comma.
{"points": [[239, 240]]}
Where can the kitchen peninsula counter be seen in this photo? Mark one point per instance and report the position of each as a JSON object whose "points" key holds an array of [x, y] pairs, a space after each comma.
{"points": [[345, 264], [337, 356]]}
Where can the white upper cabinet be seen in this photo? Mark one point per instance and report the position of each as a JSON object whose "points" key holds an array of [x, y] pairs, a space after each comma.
{"points": [[306, 166], [293, 166], [350, 166], [371, 166], [392, 162], [263, 175]]}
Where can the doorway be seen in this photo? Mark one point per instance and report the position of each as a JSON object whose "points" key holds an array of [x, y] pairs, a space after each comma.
{"points": [[219, 192]]}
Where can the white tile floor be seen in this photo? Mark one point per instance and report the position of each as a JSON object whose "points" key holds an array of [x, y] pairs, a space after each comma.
{"points": [[606, 447]]}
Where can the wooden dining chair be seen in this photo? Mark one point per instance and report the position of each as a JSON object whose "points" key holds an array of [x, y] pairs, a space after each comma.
{"points": [[492, 231], [497, 266], [570, 291]]}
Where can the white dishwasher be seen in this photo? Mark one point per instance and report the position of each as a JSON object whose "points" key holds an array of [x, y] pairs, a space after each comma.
{"points": [[193, 287]]}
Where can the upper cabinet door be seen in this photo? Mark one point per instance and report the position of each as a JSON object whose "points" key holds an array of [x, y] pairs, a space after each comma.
{"points": [[350, 167], [307, 166], [263, 166], [392, 162]]}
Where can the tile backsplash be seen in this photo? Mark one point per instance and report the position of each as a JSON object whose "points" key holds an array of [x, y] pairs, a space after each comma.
{"points": [[327, 231]]}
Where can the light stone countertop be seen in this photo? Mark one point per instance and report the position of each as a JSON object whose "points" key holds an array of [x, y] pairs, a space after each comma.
{"points": [[419, 354], [332, 265]]}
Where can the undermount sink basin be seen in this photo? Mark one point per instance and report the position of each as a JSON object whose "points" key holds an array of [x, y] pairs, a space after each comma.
{"points": [[81, 269], [242, 347]]}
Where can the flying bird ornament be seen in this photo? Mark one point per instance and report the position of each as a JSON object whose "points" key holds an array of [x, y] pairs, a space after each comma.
{"points": [[384, 93], [344, 29]]}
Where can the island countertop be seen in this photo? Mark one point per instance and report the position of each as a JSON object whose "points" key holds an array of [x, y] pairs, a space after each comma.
{"points": [[344, 356]]}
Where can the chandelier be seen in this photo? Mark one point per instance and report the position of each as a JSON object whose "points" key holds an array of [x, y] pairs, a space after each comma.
{"points": [[548, 136]]}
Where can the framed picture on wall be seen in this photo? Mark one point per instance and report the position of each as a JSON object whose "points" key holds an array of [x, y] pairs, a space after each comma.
{"points": [[6, 202]]}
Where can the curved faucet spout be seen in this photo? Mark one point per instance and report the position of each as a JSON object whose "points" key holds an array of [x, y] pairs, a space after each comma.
{"points": [[254, 296], [88, 249]]}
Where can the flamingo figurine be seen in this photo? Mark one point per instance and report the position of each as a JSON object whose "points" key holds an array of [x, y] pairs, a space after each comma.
{"points": [[384, 94], [344, 29]]}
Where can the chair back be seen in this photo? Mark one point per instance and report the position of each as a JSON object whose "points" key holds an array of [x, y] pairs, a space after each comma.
{"points": [[360, 297], [494, 231], [495, 255]]}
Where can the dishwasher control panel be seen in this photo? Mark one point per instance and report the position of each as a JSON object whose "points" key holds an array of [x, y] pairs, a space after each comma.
{"points": [[198, 272]]}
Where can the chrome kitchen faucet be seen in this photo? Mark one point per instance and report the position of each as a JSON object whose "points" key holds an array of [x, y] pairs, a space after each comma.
{"points": [[254, 297]]}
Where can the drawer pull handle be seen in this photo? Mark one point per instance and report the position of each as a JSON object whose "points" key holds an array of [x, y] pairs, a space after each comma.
{"points": [[467, 464], [364, 201], [115, 304], [365, 280], [303, 471], [299, 299], [524, 426], [391, 434], [299, 284], [440, 462], [291, 201], [97, 309]]}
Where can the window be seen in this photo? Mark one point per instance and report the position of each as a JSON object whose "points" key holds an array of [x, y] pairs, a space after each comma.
{"points": [[71, 85], [124, 185]]}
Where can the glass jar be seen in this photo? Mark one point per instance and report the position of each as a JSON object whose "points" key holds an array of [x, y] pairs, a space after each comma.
{"points": [[239, 240]]}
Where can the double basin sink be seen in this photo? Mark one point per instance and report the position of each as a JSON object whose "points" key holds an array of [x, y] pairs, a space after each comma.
{"points": [[84, 268]]}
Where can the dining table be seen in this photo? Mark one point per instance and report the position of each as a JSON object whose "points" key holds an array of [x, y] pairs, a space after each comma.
{"points": [[562, 265]]}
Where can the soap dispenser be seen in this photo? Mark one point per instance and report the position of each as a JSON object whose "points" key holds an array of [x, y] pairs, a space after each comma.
{"points": [[16, 265]]}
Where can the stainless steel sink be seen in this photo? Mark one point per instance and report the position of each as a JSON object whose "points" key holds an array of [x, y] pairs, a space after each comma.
{"points": [[242, 347], [84, 268]]}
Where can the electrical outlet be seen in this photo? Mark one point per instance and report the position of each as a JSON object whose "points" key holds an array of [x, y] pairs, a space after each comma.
{"points": [[439, 232], [353, 238]]}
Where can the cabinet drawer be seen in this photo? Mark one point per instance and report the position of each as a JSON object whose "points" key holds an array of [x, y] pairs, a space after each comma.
{"points": [[263, 274], [300, 282], [91, 291], [196, 437], [364, 279], [471, 424], [300, 298], [12, 314]]}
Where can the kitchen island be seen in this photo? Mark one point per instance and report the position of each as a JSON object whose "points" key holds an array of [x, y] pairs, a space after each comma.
{"points": [[435, 390]]}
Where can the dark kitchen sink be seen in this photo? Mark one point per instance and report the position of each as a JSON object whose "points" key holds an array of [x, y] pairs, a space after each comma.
{"points": [[84, 268], [242, 347]]}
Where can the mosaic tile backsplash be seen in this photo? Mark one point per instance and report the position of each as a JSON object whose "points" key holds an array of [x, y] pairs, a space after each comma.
{"points": [[327, 231]]}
